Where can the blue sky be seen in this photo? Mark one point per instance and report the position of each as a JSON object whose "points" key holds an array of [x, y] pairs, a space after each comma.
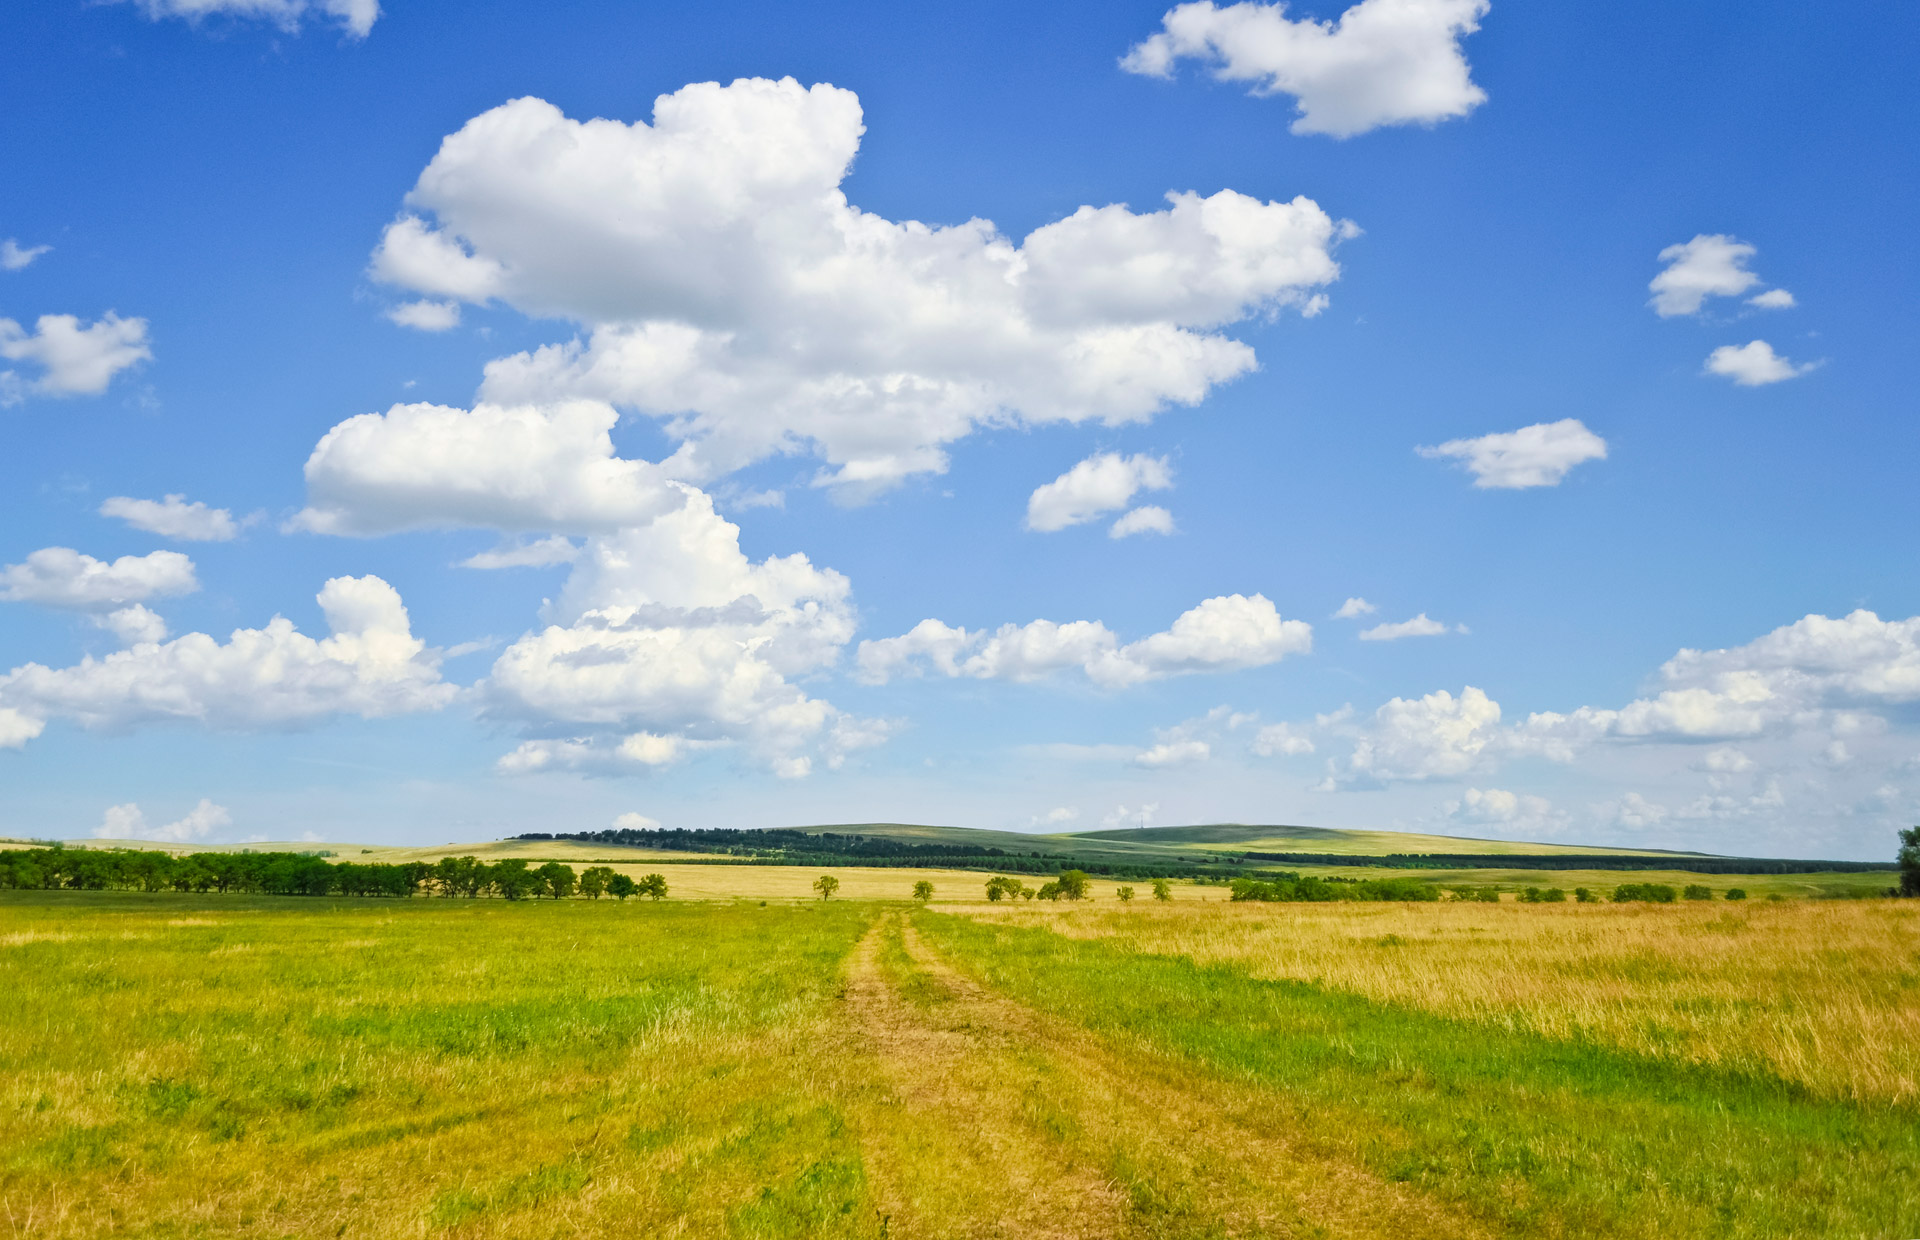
{"points": [[860, 432]]}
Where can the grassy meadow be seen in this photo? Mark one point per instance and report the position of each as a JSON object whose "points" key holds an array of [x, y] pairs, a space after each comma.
{"points": [[178, 1065]]}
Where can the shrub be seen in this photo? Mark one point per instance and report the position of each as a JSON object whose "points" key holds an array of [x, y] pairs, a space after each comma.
{"points": [[1162, 889], [1647, 893], [1696, 891], [1583, 896], [1736, 893], [1486, 895], [1050, 890], [1003, 887], [1125, 894], [1909, 858], [1553, 895], [1531, 895]]}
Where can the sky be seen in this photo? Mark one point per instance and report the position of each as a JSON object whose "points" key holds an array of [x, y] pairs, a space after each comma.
{"points": [[430, 422]]}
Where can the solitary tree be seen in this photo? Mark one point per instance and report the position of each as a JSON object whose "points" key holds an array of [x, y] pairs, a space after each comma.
{"points": [[654, 886], [1910, 862], [826, 885], [923, 891], [1125, 894], [1162, 889]]}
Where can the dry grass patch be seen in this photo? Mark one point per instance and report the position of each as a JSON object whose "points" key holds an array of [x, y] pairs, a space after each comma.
{"points": [[1823, 994]]}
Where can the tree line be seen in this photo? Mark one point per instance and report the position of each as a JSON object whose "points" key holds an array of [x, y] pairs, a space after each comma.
{"points": [[301, 874]]}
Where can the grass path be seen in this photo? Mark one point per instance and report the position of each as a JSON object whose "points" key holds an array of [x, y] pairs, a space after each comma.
{"points": [[982, 1117]]}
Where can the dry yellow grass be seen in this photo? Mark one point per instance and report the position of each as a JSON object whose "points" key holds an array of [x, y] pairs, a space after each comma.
{"points": [[1824, 994]]}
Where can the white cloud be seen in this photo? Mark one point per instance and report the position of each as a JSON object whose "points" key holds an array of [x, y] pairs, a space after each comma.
{"points": [[127, 822], [134, 625], [371, 666], [1710, 265], [728, 288], [1056, 816], [640, 751], [63, 577], [1147, 519], [631, 821], [1498, 807], [1385, 62], [15, 258], [74, 360], [356, 17], [1354, 608], [1221, 634], [1753, 364], [1796, 675], [536, 468], [1725, 760], [1533, 456], [1419, 626], [539, 553], [1124, 817], [1173, 753], [1098, 485], [17, 729], [1432, 737], [1280, 740], [426, 316], [1636, 812], [669, 630], [173, 517]]}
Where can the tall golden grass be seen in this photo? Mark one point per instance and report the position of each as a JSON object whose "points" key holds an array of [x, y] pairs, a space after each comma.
{"points": [[1825, 994]]}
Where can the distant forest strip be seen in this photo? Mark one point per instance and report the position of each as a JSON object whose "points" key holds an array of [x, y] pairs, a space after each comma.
{"points": [[301, 874], [1578, 861], [785, 846]]}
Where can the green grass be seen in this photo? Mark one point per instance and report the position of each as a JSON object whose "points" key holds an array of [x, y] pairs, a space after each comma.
{"points": [[1538, 1137], [364, 1068], [184, 1066]]}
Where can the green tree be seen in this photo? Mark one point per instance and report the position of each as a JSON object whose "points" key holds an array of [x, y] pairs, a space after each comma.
{"points": [[826, 885], [620, 886], [594, 880], [1050, 890], [1736, 893], [1162, 889], [556, 880], [512, 879], [1696, 891], [654, 887], [1003, 886], [1909, 858], [1125, 894], [923, 891], [1073, 884], [1585, 896]]}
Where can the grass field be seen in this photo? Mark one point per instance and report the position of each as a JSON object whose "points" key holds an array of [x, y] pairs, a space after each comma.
{"points": [[179, 1065]]}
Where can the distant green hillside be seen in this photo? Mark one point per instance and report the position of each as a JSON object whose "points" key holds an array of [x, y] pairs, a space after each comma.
{"points": [[1235, 838]]}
